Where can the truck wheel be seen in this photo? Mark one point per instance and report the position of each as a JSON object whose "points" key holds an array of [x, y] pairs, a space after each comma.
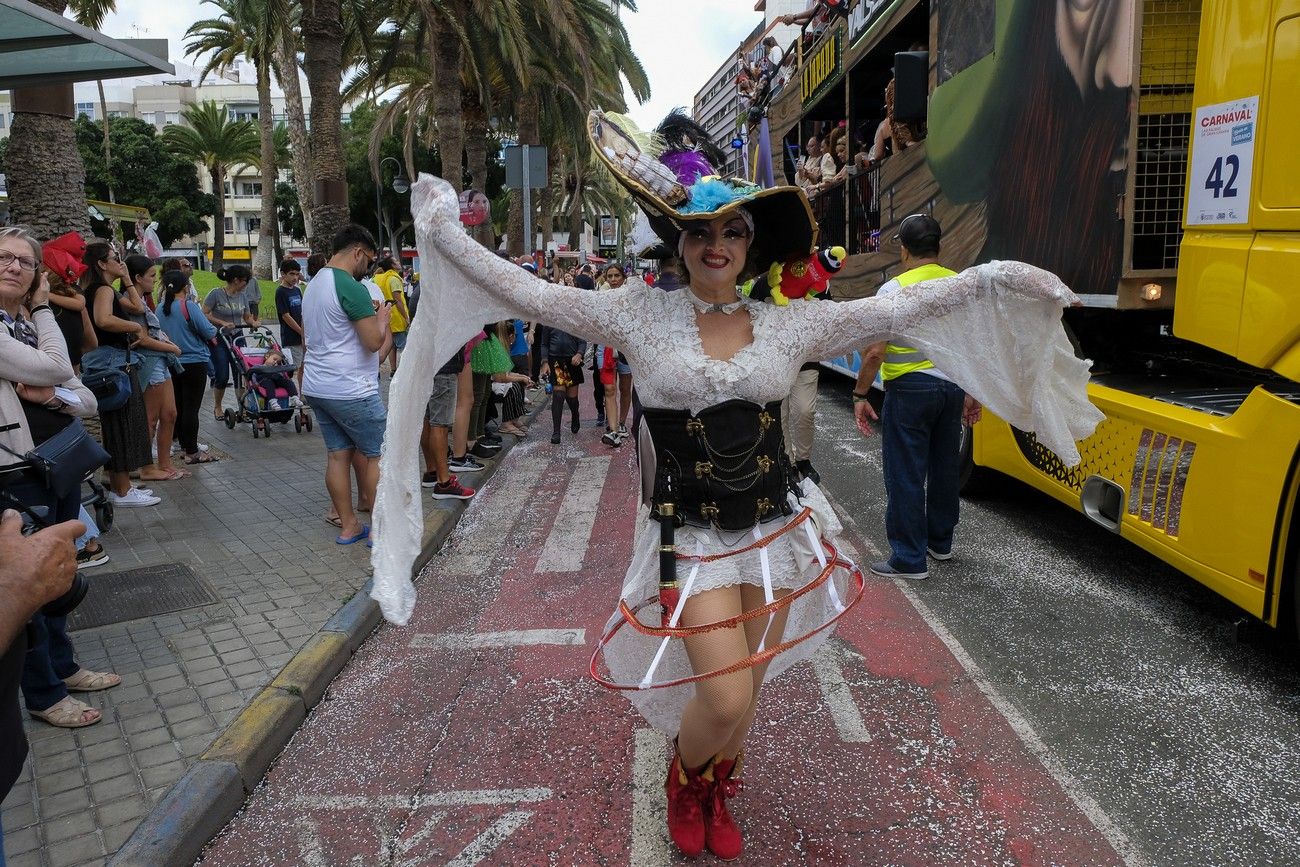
{"points": [[976, 481]]}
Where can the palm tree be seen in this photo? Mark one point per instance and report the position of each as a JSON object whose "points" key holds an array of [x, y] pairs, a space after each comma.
{"points": [[323, 40], [47, 180], [286, 72], [248, 28], [208, 136], [582, 35]]}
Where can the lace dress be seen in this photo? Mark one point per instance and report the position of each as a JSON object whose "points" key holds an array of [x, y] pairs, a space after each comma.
{"points": [[995, 329]]}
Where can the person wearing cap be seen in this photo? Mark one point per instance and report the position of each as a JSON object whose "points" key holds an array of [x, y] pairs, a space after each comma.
{"points": [[921, 425], [734, 576]]}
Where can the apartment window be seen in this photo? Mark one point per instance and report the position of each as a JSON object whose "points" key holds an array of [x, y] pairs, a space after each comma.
{"points": [[159, 118], [238, 114], [250, 188], [3, 120], [86, 110], [253, 224], [227, 188], [230, 224], [173, 117], [116, 115]]}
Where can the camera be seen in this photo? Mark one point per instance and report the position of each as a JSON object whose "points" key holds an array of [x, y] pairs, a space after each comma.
{"points": [[36, 518]]}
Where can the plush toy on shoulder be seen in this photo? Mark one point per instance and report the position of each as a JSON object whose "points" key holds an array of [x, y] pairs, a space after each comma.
{"points": [[797, 278]]}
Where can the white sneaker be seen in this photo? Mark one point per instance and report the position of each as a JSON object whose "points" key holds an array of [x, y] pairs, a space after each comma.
{"points": [[133, 499], [273, 405], [203, 447], [296, 402]]}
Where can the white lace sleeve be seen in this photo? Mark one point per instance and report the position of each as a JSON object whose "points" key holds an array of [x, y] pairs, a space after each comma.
{"points": [[995, 329], [463, 286]]}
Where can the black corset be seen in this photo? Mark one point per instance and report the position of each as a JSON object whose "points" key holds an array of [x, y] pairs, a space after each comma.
{"points": [[728, 463]]}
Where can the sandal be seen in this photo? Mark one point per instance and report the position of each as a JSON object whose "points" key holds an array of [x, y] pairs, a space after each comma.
{"points": [[85, 680], [334, 520], [68, 714], [201, 458], [173, 475]]}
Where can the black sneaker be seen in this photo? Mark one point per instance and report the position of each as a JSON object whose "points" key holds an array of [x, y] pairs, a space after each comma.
{"points": [[483, 450], [464, 464], [87, 559], [600, 422], [491, 439], [555, 438], [612, 439], [428, 480]]}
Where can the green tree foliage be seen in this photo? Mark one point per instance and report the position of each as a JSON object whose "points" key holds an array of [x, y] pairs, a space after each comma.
{"points": [[144, 174], [361, 183]]}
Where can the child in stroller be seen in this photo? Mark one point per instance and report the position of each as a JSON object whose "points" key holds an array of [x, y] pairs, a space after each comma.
{"points": [[269, 393]]}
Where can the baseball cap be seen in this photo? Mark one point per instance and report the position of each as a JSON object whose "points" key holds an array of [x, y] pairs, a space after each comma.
{"points": [[918, 228]]}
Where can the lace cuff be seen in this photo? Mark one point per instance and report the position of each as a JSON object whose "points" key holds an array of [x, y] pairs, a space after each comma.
{"points": [[995, 329]]}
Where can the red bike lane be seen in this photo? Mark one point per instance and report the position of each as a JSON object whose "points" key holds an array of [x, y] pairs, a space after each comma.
{"points": [[474, 735]]}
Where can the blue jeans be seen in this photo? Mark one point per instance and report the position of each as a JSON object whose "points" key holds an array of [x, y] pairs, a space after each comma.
{"points": [[921, 429], [220, 365], [49, 649]]}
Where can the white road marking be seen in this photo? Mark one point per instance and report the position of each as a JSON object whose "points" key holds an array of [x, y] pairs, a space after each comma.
{"points": [[828, 665], [566, 544], [484, 844], [468, 798], [1024, 730], [650, 844], [517, 638], [489, 839], [474, 551]]}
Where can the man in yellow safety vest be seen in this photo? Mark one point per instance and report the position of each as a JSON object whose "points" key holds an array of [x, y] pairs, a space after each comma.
{"points": [[921, 427]]}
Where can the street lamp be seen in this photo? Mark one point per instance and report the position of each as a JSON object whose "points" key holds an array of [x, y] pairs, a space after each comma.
{"points": [[401, 184]]}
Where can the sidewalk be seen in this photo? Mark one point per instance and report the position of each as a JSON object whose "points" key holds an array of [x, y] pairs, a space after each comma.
{"points": [[251, 529]]}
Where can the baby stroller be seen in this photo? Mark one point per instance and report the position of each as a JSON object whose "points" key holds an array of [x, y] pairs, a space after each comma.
{"points": [[267, 394]]}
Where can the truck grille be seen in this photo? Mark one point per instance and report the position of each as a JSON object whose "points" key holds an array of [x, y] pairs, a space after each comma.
{"points": [[1170, 29]]}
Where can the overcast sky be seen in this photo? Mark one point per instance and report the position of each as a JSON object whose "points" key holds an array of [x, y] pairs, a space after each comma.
{"points": [[680, 42]]}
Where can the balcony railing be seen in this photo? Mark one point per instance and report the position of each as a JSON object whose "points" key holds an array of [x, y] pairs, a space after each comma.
{"points": [[849, 211]]}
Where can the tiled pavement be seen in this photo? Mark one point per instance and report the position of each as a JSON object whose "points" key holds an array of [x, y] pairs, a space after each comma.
{"points": [[252, 526]]}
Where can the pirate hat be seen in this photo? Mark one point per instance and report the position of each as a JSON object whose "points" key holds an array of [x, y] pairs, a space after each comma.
{"points": [[672, 175]]}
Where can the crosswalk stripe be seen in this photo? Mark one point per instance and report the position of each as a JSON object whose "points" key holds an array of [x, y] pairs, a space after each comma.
{"points": [[566, 546]]}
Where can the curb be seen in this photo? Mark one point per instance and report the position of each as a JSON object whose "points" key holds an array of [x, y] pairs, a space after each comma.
{"points": [[200, 804]]}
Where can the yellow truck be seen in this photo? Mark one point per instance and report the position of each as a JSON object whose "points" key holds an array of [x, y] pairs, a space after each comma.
{"points": [[1148, 151]]}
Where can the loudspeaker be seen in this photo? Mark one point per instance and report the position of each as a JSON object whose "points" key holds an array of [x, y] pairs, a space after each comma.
{"points": [[911, 85]]}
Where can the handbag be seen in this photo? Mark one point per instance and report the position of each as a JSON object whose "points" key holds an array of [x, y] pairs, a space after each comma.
{"points": [[63, 460], [112, 388]]}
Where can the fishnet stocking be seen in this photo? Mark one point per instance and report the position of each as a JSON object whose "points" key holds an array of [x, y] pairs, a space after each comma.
{"points": [[717, 719]]}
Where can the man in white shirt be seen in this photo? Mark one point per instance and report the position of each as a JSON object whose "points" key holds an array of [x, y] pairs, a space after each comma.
{"points": [[345, 339]]}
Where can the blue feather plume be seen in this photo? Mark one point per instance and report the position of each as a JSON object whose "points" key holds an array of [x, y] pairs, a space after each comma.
{"points": [[713, 194]]}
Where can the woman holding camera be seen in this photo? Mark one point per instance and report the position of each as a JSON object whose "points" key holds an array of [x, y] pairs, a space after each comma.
{"points": [[39, 397]]}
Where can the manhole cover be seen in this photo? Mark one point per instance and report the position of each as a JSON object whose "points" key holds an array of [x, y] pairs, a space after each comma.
{"points": [[142, 592]]}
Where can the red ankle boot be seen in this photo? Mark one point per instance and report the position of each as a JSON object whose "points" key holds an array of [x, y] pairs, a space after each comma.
{"points": [[720, 830], [686, 791]]}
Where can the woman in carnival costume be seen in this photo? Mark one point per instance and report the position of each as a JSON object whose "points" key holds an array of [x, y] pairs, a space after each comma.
{"points": [[735, 575]]}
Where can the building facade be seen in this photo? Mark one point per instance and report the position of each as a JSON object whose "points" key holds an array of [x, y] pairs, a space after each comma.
{"points": [[160, 101], [718, 106]]}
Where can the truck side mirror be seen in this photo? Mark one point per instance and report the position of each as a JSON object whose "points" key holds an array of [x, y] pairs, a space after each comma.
{"points": [[911, 85]]}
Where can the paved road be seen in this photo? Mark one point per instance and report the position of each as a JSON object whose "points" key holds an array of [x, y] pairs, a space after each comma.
{"points": [[1126, 670], [474, 736]]}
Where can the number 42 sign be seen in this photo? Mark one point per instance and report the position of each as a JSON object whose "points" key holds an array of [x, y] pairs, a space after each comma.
{"points": [[1223, 155]]}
